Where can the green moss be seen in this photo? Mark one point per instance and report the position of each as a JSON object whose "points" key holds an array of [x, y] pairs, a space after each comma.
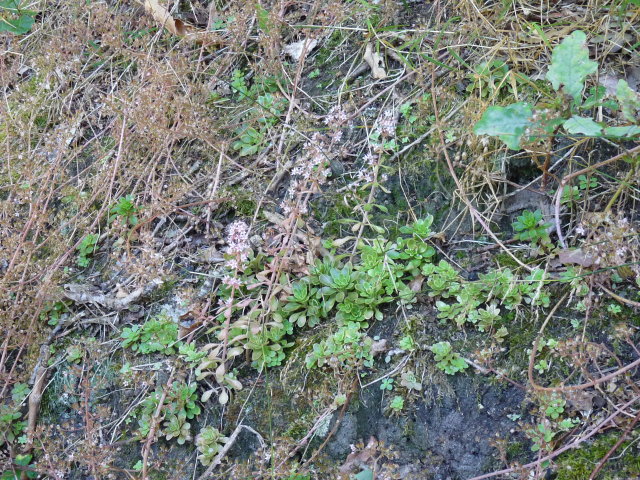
{"points": [[324, 53], [516, 450], [163, 290], [330, 212], [244, 204], [578, 464], [505, 260]]}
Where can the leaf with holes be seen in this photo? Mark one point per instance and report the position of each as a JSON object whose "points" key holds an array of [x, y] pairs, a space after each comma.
{"points": [[507, 123], [570, 65]]}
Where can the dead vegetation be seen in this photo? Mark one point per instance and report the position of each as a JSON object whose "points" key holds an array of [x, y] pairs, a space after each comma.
{"points": [[199, 159]]}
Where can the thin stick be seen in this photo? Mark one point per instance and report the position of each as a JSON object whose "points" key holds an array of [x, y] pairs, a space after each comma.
{"points": [[622, 438], [152, 430], [227, 446], [474, 213], [633, 152], [560, 451]]}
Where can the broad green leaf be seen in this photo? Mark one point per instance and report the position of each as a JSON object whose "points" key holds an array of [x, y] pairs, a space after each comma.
{"points": [[570, 65], [18, 26], [629, 100], [13, 5], [622, 132], [507, 123], [366, 474], [585, 126]]}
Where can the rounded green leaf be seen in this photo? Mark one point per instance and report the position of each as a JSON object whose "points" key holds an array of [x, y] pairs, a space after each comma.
{"points": [[570, 65], [507, 123]]}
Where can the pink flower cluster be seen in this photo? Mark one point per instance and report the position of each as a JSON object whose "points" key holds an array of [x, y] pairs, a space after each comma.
{"points": [[387, 123], [237, 244], [310, 172], [336, 117]]}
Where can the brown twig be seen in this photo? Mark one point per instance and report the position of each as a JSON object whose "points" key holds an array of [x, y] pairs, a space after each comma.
{"points": [[227, 446], [618, 297], [594, 430], [152, 430], [474, 212], [558, 197], [622, 438]]}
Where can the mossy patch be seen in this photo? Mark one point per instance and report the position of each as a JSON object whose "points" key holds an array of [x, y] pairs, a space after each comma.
{"points": [[624, 464]]}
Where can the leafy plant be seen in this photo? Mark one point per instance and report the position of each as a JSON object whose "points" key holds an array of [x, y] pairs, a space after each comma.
{"points": [[397, 404], [349, 346], [23, 460], [587, 183], [614, 309], [386, 384], [158, 334], [448, 361], [410, 382], [209, 442], [11, 427], [124, 209], [53, 311], [304, 305], [190, 354], [531, 227], [555, 407], [249, 141], [541, 435], [273, 108], [74, 354], [508, 123], [86, 248], [407, 343], [570, 67], [268, 344], [179, 406], [491, 77]]}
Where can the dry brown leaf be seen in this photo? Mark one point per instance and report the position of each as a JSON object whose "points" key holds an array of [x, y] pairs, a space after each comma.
{"points": [[575, 256], [163, 17], [296, 49], [375, 62], [358, 459]]}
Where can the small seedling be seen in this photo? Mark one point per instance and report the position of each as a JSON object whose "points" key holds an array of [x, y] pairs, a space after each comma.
{"points": [[209, 443], [250, 141], [555, 407], [397, 404], [531, 227], [386, 384], [126, 210], [448, 361], [614, 309], [87, 248]]}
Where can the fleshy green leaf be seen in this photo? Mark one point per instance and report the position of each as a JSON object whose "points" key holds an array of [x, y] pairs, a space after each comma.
{"points": [[570, 65], [629, 100], [622, 132], [507, 123], [585, 126]]}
